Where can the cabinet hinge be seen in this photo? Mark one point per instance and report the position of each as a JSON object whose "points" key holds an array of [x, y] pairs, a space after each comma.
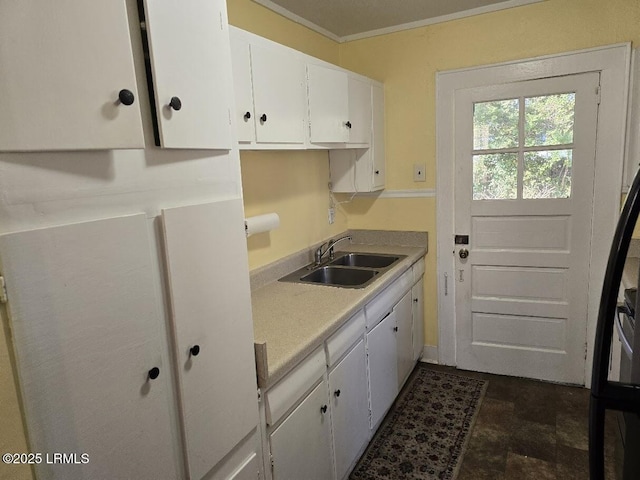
{"points": [[259, 395], [598, 97], [221, 22], [229, 110], [271, 458], [3, 290]]}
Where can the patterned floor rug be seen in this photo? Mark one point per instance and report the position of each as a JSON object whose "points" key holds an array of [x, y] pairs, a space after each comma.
{"points": [[424, 435]]}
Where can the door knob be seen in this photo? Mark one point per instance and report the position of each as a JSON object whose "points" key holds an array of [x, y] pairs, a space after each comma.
{"points": [[126, 97], [175, 103], [323, 409], [153, 373], [348, 124], [195, 350], [263, 118], [464, 253], [337, 393], [247, 115]]}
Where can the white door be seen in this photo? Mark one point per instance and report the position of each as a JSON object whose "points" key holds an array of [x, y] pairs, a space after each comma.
{"points": [[91, 349], [404, 338], [211, 314], [359, 111], [279, 95], [382, 357], [241, 66], [523, 194], [190, 57], [349, 408], [328, 104], [64, 65], [301, 445], [417, 292]]}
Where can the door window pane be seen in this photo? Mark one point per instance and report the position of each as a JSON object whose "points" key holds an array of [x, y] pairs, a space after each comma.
{"points": [[495, 176], [549, 119], [495, 124], [547, 174]]}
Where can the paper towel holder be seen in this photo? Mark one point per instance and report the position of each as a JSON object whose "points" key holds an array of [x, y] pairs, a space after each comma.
{"points": [[261, 223]]}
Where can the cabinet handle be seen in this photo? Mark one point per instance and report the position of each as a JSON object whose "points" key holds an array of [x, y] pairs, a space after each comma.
{"points": [[337, 393], [247, 115], [348, 124], [126, 97], [175, 103], [377, 172], [263, 118], [195, 350], [395, 329], [323, 409], [415, 300], [153, 373]]}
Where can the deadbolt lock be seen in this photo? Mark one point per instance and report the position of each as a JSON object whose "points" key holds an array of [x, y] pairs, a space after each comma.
{"points": [[464, 253]]}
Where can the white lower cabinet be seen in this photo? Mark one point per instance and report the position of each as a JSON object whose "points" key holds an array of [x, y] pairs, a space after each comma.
{"points": [[349, 408], [301, 444], [383, 367], [417, 292], [404, 337]]}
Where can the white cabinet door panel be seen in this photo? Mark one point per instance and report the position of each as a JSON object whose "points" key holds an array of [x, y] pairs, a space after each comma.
{"points": [[190, 58], [404, 338], [86, 330], [279, 95], [383, 370], [377, 149], [63, 64], [359, 111], [301, 445], [349, 408], [211, 308], [241, 63], [328, 104], [417, 292]]}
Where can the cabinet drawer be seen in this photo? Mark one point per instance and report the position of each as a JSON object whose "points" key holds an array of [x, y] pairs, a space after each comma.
{"points": [[347, 335], [283, 395], [380, 306]]}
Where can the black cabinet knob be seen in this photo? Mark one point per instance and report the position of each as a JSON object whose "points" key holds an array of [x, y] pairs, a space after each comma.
{"points": [[415, 300], [126, 97], [323, 409], [377, 172], [195, 350], [175, 103], [348, 124], [247, 115], [153, 373], [395, 329], [263, 118], [337, 393]]}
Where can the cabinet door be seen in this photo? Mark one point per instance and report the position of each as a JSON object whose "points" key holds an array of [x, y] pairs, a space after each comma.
{"points": [[87, 330], [279, 95], [383, 367], [404, 338], [211, 314], [241, 63], [349, 409], [359, 111], [301, 445], [191, 63], [377, 149], [63, 65], [328, 105], [417, 292]]}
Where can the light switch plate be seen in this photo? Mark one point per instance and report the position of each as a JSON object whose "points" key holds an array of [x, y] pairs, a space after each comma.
{"points": [[419, 174]]}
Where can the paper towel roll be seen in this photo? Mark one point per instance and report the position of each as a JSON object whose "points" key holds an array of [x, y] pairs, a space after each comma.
{"points": [[261, 223]]}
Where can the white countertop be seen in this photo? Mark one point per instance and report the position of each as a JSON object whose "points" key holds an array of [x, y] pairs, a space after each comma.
{"points": [[293, 319]]}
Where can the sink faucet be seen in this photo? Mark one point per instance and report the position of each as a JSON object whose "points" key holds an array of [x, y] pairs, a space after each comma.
{"points": [[330, 244]]}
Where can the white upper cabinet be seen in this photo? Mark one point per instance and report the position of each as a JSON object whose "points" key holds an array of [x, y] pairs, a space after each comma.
{"points": [[68, 80], [328, 105], [190, 58], [376, 152]]}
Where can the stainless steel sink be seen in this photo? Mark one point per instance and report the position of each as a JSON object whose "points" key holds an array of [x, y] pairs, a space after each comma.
{"points": [[348, 270], [345, 277], [367, 260]]}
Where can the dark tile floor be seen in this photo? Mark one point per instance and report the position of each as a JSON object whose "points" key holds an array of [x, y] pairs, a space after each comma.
{"points": [[527, 429]]}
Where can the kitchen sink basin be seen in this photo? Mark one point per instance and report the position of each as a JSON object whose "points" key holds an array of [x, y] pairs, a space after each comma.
{"points": [[351, 277], [368, 260], [348, 270]]}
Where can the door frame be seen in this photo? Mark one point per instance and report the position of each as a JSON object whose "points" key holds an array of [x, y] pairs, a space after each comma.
{"points": [[613, 63]]}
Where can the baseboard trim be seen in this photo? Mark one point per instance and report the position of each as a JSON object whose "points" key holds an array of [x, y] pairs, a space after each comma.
{"points": [[429, 354]]}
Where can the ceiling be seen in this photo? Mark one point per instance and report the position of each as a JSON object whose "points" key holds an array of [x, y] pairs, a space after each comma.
{"points": [[345, 20]]}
